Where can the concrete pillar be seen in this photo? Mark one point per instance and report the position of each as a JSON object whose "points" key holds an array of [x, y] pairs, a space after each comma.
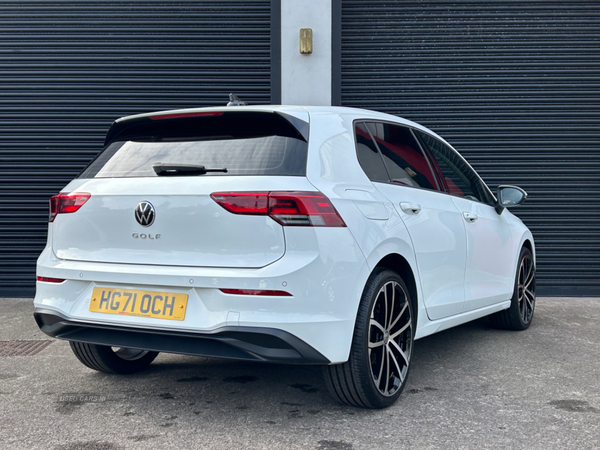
{"points": [[306, 78]]}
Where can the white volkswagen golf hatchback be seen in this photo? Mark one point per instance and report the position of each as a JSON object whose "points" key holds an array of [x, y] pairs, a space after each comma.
{"points": [[300, 235]]}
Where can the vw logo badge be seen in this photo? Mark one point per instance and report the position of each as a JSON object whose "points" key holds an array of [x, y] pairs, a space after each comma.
{"points": [[145, 214]]}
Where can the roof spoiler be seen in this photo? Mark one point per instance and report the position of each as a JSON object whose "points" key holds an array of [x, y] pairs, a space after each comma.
{"points": [[204, 124]]}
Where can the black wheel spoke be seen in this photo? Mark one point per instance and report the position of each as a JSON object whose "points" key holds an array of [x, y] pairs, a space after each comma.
{"points": [[385, 308], [377, 325], [529, 280], [391, 309], [393, 324], [404, 357], [401, 330], [387, 370], [382, 364], [375, 344], [397, 366]]}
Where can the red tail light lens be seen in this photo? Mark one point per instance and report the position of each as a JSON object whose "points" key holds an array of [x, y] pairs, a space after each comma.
{"points": [[243, 202], [304, 209], [50, 280], [66, 203], [256, 292], [311, 209]]}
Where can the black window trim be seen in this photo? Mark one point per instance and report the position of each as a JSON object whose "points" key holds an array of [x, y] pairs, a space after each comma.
{"points": [[441, 189], [436, 175], [488, 191], [354, 124]]}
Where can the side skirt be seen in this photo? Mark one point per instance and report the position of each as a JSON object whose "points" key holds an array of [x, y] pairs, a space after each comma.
{"points": [[433, 326]]}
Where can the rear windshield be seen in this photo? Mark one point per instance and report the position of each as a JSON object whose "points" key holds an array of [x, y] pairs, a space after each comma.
{"points": [[265, 150]]}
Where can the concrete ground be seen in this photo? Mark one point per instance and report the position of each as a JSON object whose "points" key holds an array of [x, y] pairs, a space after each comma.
{"points": [[472, 387]]}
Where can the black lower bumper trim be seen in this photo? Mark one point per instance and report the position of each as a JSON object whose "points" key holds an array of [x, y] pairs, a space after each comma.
{"points": [[245, 343]]}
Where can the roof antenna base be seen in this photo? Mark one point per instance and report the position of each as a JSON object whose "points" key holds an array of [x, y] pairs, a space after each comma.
{"points": [[234, 100]]}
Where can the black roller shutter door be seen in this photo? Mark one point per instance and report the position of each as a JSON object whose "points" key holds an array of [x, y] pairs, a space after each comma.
{"points": [[69, 68], [515, 87]]}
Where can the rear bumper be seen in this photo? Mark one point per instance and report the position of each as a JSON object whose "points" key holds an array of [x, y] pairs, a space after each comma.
{"points": [[242, 343], [323, 270]]}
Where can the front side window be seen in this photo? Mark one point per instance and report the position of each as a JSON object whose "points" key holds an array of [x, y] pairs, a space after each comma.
{"points": [[402, 155], [458, 177]]}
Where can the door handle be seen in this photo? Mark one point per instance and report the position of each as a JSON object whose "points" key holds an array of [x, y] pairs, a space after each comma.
{"points": [[470, 217], [410, 208]]}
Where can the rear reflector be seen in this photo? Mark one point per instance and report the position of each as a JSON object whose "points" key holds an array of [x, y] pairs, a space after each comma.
{"points": [[66, 203], [50, 280], [255, 292], [306, 209], [190, 114]]}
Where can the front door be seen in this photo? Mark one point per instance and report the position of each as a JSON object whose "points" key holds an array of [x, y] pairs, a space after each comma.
{"points": [[489, 276]]}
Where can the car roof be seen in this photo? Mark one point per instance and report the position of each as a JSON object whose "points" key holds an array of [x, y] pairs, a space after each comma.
{"points": [[258, 108], [298, 111], [301, 112], [288, 109]]}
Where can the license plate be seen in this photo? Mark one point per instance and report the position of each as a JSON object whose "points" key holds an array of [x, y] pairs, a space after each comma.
{"points": [[130, 302]]}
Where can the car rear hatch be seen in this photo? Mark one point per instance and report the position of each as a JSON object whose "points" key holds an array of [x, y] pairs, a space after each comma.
{"points": [[150, 195]]}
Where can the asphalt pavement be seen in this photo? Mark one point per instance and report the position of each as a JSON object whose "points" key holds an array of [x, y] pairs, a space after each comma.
{"points": [[471, 387]]}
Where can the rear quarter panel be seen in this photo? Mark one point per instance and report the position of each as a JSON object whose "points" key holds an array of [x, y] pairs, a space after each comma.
{"points": [[333, 168]]}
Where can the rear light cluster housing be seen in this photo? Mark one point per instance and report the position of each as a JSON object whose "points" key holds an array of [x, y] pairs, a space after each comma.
{"points": [[288, 208], [64, 203]]}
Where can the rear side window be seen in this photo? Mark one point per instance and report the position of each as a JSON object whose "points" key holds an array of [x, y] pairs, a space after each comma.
{"points": [[402, 155], [368, 155], [244, 144]]}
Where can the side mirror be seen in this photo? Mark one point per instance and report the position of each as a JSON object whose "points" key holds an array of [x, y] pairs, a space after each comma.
{"points": [[509, 196]]}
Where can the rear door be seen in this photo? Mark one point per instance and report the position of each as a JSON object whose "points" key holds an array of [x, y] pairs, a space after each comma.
{"points": [[432, 220]]}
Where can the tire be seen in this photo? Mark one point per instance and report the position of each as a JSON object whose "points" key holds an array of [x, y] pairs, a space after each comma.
{"points": [[376, 371], [119, 361], [519, 315]]}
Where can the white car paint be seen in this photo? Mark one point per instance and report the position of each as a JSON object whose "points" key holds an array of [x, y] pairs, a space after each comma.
{"points": [[193, 229], [325, 269], [437, 234]]}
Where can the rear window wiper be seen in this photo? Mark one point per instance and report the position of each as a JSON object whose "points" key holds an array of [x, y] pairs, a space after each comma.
{"points": [[182, 169]]}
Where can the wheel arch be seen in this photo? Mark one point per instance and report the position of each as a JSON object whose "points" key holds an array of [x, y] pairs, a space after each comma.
{"points": [[528, 244], [526, 240], [401, 266]]}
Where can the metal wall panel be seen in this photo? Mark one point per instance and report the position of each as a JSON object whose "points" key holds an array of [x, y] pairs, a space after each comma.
{"points": [[514, 86], [69, 68]]}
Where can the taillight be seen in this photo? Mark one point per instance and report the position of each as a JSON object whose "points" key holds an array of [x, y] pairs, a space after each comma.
{"points": [[255, 203], [66, 203], [305, 209], [50, 280], [310, 209]]}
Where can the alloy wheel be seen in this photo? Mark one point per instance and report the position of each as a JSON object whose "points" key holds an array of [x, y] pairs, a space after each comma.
{"points": [[390, 338], [526, 289]]}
